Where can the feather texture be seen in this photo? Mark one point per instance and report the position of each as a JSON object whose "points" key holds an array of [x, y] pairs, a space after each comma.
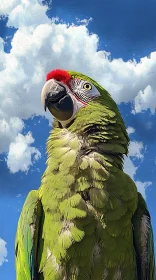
{"points": [[87, 220]]}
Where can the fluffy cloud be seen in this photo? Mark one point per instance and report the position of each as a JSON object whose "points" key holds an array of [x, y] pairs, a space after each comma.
{"points": [[9, 130], [40, 45], [145, 99], [21, 154], [3, 251], [29, 14], [7, 6]]}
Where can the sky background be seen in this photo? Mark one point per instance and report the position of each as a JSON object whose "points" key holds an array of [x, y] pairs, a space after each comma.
{"points": [[112, 41]]}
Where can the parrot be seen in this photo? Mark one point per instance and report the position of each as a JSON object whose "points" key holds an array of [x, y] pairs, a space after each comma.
{"points": [[86, 221]]}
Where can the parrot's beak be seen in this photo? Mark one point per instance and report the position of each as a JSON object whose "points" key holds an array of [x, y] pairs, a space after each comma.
{"points": [[55, 97]]}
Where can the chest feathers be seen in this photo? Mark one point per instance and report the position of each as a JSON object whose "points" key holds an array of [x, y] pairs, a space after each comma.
{"points": [[88, 205]]}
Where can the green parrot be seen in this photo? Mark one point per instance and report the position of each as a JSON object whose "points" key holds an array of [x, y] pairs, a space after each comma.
{"points": [[87, 220]]}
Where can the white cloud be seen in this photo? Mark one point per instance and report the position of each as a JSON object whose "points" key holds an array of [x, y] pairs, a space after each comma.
{"points": [[3, 251], [7, 6], [142, 186], [130, 130], [84, 21], [21, 154], [145, 99], [28, 13], [9, 130], [129, 167], [136, 151]]}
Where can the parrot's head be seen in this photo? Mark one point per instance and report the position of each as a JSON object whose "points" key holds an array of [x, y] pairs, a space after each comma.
{"points": [[81, 105], [65, 93]]}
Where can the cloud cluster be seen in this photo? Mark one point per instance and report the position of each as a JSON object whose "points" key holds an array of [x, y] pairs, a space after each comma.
{"points": [[40, 45], [145, 99], [3, 251], [7, 6], [28, 14], [21, 154], [8, 131]]}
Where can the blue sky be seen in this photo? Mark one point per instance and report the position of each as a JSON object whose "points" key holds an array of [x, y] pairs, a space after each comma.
{"points": [[113, 42]]}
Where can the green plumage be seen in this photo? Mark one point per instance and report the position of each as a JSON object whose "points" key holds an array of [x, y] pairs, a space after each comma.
{"points": [[87, 220]]}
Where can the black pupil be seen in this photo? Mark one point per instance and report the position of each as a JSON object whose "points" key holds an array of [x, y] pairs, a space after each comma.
{"points": [[87, 86]]}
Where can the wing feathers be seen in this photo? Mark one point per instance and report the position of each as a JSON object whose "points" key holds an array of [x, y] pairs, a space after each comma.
{"points": [[27, 237], [143, 241]]}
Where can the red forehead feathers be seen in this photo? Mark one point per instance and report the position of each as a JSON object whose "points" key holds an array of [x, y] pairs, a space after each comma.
{"points": [[59, 75]]}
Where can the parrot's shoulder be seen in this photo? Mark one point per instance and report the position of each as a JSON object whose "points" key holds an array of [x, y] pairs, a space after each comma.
{"points": [[30, 206]]}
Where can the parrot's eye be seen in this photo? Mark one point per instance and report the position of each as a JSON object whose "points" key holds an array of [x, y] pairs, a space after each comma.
{"points": [[84, 90], [87, 86]]}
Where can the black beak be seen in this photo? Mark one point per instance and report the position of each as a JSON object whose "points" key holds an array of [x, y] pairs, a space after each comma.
{"points": [[59, 102]]}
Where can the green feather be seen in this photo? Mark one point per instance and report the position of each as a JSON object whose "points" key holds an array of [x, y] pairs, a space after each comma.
{"points": [[87, 220]]}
